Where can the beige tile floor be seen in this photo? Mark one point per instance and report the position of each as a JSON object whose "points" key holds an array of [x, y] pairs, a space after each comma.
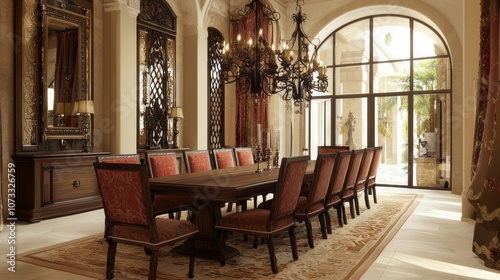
{"points": [[433, 243]]}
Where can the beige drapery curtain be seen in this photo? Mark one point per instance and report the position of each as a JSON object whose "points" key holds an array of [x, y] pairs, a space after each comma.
{"points": [[484, 192]]}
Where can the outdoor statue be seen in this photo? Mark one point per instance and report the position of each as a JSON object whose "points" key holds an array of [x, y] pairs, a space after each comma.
{"points": [[350, 124]]}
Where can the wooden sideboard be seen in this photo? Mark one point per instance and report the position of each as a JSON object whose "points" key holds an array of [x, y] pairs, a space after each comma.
{"points": [[54, 185]]}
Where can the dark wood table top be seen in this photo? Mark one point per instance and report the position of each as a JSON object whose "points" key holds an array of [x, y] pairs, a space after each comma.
{"points": [[228, 185]]}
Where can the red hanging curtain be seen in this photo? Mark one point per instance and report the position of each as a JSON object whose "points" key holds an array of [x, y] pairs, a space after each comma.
{"points": [[251, 110], [484, 192]]}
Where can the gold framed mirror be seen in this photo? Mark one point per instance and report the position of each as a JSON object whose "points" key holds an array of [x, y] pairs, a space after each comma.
{"points": [[66, 68]]}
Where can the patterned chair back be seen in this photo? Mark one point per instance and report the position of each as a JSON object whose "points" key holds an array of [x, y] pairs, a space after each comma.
{"points": [[125, 197], [364, 169], [372, 174], [224, 158], [338, 178], [132, 158], [323, 169], [332, 149], [288, 187], [197, 160], [162, 164], [352, 173], [244, 156]]}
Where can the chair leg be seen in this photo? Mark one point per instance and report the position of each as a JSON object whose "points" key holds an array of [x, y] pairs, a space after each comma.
{"points": [[351, 207], [272, 255], [229, 207], [328, 221], [356, 202], [339, 214], [222, 243], [110, 266], [177, 215], [191, 243], [367, 201], [322, 224], [344, 213], [293, 242], [153, 264], [374, 194], [310, 239]]}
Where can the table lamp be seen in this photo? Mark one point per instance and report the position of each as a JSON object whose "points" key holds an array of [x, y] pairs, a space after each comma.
{"points": [[86, 107], [176, 114]]}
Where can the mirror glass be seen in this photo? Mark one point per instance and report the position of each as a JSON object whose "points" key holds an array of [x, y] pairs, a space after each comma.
{"points": [[65, 67]]}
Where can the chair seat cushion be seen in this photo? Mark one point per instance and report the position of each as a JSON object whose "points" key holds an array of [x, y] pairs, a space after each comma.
{"points": [[255, 220], [169, 231], [301, 206], [171, 202], [334, 199]]}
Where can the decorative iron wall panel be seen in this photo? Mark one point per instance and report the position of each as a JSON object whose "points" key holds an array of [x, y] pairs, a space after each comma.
{"points": [[156, 91], [215, 89]]}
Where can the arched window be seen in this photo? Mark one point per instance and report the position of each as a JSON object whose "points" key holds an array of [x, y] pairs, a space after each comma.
{"points": [[390, 86]]}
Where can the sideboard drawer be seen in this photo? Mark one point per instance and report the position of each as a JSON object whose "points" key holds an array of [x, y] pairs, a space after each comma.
{"points": [[63, 182]]}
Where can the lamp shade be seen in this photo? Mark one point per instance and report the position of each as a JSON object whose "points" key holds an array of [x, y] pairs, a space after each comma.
{"points": [[177, 113], [63, 108], [75, 108], [85, 107]]}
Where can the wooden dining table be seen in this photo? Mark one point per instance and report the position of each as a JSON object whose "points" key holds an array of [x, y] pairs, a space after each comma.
{"points": [[210, 190]]}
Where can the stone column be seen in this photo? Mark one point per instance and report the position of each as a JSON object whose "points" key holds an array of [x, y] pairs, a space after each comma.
{"points": [[118, 126]]}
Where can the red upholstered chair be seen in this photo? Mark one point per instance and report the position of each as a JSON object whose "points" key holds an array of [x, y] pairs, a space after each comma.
{"points": [[306, 188], [244, 156], [224, 158], [132, 158], [361, 178], [197, 160], [165, 164], [313, 204], [130, 219], [372, 174], [267, 223], [349, 193], [334, 194], [332, 149]]}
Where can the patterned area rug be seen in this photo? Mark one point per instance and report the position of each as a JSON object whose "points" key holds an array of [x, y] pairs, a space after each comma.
{"points": [[346, 254]]}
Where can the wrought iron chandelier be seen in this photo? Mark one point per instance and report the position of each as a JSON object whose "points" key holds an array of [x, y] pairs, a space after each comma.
{"points": [[260, 68]]}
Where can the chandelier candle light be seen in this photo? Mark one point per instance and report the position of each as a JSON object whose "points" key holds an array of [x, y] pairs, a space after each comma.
{"points": [[262, 69]]}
